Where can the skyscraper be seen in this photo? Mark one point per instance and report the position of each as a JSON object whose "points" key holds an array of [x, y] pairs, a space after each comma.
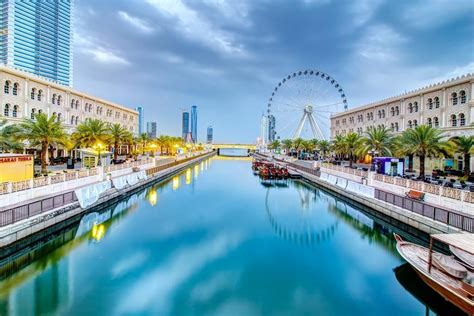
{"points": [[209, 134], [151, 129], [194, 124], [185, 125], [36, 36], [263, 129], [271, 128], [141, 120]]}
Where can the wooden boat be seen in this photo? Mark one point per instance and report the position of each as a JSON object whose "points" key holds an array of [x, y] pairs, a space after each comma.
{"points": [[460, 292], [464, 256]]}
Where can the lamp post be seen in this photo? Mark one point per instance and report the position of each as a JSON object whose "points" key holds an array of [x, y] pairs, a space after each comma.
{"points": [[99, 147], [372, 153]]}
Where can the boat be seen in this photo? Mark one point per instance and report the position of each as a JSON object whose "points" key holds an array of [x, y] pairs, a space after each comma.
{"points": [[465, 257], [432, 267]]}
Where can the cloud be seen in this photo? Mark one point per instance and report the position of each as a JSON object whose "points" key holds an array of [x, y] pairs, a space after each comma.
{"points": [[380, 44], [135, 22], [90, 46], [363, 10], [196, 27], [435, 13]]}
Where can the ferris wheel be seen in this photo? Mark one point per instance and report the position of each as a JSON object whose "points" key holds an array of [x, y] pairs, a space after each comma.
{"points": [[301, 105]]}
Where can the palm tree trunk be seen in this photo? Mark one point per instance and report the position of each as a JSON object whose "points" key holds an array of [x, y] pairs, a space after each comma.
{"points": [[116, 150], [467, 162], [422, 167], [44, 158], [350, 160], [410, 162]]}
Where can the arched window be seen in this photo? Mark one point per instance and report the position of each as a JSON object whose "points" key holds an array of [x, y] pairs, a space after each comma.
{"points": [[40, 111], [77, 120], [379, 114], [396, 126], [59, 117], [415, 123], [430, 103], [15, 111], [33, 113], [397, 110], [54, 98], [77, 104], [40, 95], [72, 119], [462, 119], [453, 120], [436, 121], [410, 107], [54, 115], [97, 110], [33, 93], [6, 87], [383, 113], [410, 124], [462, 96], [15, 88], [59, 100], [6, 110], [454, 98], [392, 111], [429, 121], [436, 102], [415, 106], [72, 104]]}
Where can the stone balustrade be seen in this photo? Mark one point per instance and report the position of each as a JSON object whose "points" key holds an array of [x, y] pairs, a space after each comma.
{"points": [[356, 172]]}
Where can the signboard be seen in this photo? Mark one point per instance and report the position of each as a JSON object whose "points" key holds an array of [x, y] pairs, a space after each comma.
{"points": [[15, 159]]}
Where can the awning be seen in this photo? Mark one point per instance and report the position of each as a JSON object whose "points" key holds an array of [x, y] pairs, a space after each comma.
{"points": [[461, 241]]}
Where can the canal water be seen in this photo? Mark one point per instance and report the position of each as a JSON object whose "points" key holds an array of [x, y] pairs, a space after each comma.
{"points": [[217, 240]]}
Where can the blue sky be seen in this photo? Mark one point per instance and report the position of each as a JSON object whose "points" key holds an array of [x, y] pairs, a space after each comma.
{"points": [[226, 56]]}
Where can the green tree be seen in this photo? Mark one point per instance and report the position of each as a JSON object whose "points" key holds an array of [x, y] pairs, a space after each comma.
{"points": [[8, 139], [287, 145], [464, 146], [275, 145], [298, 145], [337, 146], [43, 131], [352, 143], [91, 132], [424, 141], [379, 139], [143, 140], [324, 147], [118, 135]]}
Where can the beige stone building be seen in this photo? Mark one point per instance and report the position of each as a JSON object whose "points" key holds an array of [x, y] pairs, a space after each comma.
{"points": [[24, 95], [448, 105]]}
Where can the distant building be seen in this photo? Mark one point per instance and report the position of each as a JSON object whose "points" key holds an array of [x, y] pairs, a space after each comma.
{"points": [[36, 36], [271, 128], [185, 126], [209, 134], [194, 124], [263, 130], [151, 129], [141, 120]]}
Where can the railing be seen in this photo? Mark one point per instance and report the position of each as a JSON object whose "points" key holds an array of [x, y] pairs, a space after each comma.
{"points": [[19, 213], [348, 170], [312, 171], [452, 193], [455, 219], [156, 169], [9, 187]]}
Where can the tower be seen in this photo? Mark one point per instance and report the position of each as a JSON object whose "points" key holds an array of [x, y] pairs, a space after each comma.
{"points": [[141, 120], [194, 124], [209, 134], [263, 129], [185, 126]]}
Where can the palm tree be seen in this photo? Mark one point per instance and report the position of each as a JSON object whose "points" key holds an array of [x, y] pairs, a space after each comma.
{"points": [[337, 145], [424, 141], [118, 134], [90, 132], [464, 146], [377, 139], [143, 140], [43, 131], [275, 145], [352, 143], [324, 147], [287, 145], [161, 141], [8, 140], [298, 145]]}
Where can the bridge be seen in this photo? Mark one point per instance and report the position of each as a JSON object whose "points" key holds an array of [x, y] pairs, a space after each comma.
{"points": [[234, 146]]}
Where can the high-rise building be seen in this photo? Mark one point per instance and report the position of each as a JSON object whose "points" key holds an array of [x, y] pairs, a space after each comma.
{"points": [[263, 129], [36, 36], [141, 120], [194, 124], [271, 128], [185, 126], [151, 129], [209, 134]]}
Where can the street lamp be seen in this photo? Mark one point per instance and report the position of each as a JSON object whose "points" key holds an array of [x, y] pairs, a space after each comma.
{"points": [[99, 146], [372, 153]]}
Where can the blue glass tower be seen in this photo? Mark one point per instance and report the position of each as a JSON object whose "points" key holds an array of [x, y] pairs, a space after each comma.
{"points": [[209, 134], [194, 119], [36, 36], [185, 126], [141, 120]]}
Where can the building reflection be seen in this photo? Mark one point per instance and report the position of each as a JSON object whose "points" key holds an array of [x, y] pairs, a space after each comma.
{"points": [[196, 171], [175, 183], [152, 196], [189, 176]]}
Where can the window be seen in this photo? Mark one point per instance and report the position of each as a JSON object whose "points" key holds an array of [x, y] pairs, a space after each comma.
{"points": [[429, 122], [436, 102], [6, 110], [392, 126], [396, 126], [40, 111], [15, 111], [77, 119], [59, 117], [72, 103], [383, 113], [397, 110], [72, 119], [410, 124], [40, 95], [430, 103], [6, 87], [462, 119], [462, 96], [54, 114], [59, 100], [33, 93], [33, 113], [436, 121], [410, 107], [415, 123], [77, 104], [392, 111], [54, 99], [453, 120], [15, 88], [379, 114], [415, 107], [454, 98]]}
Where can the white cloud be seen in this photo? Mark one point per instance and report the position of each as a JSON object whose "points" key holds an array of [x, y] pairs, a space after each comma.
{"points": [[197, 27], [170, 58], [380, 44], [90, 46], [135, 22], [233, 11], [363, 10], [435, 13]]}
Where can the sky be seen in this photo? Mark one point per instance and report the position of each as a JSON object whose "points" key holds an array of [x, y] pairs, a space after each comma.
{"points": [[226, 57]]}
